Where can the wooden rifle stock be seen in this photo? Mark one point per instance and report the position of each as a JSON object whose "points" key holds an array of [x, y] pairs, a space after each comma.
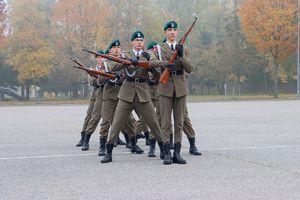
{"points": [[164, 77], [143, 64], [91, 72]]}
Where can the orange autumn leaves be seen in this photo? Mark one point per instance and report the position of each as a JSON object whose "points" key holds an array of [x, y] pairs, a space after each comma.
{"points": [[271, 25]]}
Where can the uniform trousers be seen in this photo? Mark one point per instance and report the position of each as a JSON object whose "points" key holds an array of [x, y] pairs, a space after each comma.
{"points": [[108, 112], [96, 113], [167, 104], [89, 110], [145, 109]]}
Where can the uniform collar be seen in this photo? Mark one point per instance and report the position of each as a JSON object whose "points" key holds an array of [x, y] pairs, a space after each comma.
{"points": [[171, 44], [135, 52]]}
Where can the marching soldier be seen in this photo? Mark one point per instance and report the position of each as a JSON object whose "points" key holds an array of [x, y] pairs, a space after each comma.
{"points": [[96, 111], [152, 84], [172, 95], [134, 94], [110, 101], [91, 104]]}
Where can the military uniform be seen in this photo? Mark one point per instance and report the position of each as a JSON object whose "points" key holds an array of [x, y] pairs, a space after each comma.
{"points": [[133, 94], [109, 104], [96, 113], [172, 95]]}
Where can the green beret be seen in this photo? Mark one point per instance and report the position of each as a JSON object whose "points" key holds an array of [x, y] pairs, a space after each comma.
{"points": [[114, 43], [164, 40], [171, 24], [137, 34], [100, 51], [152, 45], [107, 51]]}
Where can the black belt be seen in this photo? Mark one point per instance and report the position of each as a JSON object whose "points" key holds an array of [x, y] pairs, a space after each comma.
{"points": [[97, 87], [115, 83], [153, 83], [136, 80], [176, 73]]}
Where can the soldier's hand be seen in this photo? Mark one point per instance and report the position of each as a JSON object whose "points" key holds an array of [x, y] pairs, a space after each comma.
{"points": [[119, 75], [134, 61], [179, 48], [146, 55], [170, 67]]}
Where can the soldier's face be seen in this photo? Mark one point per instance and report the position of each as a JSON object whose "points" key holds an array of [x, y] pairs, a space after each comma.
{"points": [[137, 44], [115, 50], [98, 59], [171, 34], [151, 50]]}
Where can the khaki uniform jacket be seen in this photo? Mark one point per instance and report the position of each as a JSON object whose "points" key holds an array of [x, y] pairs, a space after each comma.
{"points": [[174, 83], [153, 88], [129, 89], [111, 91]]}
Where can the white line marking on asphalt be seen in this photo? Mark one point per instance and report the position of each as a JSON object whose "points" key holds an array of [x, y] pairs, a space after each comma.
{"points": [[117, 153]]}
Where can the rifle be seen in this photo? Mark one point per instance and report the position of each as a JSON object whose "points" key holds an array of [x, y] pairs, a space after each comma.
{"points": [[120, 60], [164, 77], [93, 73]]}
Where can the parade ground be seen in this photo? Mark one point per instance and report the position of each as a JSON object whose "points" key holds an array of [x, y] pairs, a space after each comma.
{"points": [[251, 150]]}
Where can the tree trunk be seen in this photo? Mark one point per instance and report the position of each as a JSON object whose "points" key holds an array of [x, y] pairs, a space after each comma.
{"points": [[27, 91], [74, 89], [23, 92], [289, 84], [265, 81], [208, 90], [275, 79], [233, 87]]}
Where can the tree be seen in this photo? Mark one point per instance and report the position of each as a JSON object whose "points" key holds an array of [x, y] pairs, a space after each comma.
{"points": [[4, 30], [271, 26], [79, 24], [30, 51]]}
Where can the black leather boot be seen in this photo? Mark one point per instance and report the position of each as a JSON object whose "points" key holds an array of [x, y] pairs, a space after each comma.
{"points": [[162, 152], [176, 156], [120, 142], [80, 143], [142, 135], [128, 142], [193, 148], [151, 152], [135, 148], [167, 159], [102, 148], [108, 156], [85, 145], [171, 141], [147, 137]]}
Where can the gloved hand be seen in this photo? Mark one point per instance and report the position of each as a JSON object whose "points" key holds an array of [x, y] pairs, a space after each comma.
{"points": [[170, 67], [146, 55], [179, 48], [118, 74], [134, 61]]}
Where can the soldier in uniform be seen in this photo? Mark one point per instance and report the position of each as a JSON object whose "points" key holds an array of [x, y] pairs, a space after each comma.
{"points": [[172, 95], [91, 103], [110, 101], [96, 112], [152, 84], [134, 94]]}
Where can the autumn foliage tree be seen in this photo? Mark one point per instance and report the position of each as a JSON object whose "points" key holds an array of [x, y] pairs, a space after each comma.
{"points": [[4, 30], [31, 54], [271, 26], [79, 24]]}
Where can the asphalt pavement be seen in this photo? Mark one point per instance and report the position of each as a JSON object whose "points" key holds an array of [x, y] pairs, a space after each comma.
{"points": [[251, 150]]}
